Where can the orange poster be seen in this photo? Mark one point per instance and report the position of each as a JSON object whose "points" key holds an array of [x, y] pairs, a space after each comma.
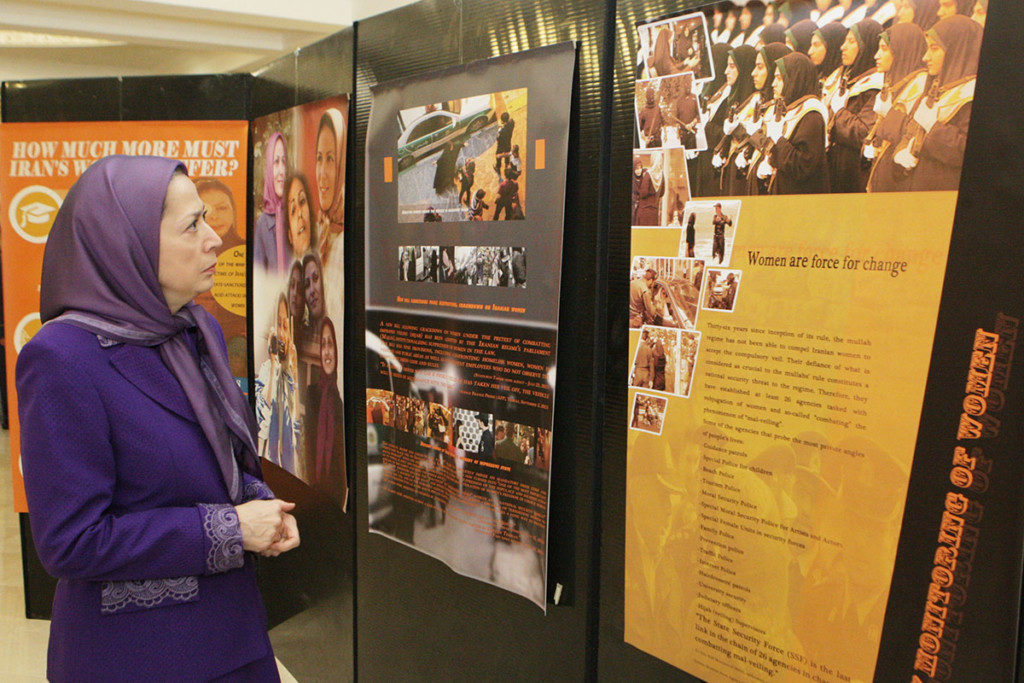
{"points": [[41, 161]]}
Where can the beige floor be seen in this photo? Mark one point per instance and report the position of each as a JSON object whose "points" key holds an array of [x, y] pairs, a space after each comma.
{"points": [[23, 641]]}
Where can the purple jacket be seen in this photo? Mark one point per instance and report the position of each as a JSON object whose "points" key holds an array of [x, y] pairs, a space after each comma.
{"points": [[130, 512]]}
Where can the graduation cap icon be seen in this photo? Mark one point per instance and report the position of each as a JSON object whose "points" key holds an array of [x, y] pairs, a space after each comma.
{"points": [[36, 213]]}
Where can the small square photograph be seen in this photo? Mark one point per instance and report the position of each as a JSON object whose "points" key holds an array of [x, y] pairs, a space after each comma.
{"points": [[513, 442], [446, 271], [664, 360], [462, 160], [665, 291], [648, 413], [669, 114], [673, 46], [409, 415], [439, 422], [709, 229], [723, 286], [485, 266], [473, 432], [661, 188], [380, 405], [418, 264]]}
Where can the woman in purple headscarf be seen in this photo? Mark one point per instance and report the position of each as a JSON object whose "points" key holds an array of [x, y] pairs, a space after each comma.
{"points": [[270, 247], [137, 446]]}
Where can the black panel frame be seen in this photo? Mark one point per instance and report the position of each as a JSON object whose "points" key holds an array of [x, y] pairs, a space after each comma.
{"points": [[989, 193], [416, 613]]}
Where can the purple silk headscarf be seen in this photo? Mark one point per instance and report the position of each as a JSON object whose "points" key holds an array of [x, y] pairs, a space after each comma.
{"points": [[100, 273], [271, 202]]}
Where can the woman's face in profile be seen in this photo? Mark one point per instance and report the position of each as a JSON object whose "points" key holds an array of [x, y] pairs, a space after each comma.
{"points": [[760, 72], [296, 291], [187, 261], [732, 73], [220, 212], [280, 167], [314, 289], [298, 217], [883, 57], [934, 57], [326, 166], [328, 351], [778, 83], [850, 49], [817, 52]]}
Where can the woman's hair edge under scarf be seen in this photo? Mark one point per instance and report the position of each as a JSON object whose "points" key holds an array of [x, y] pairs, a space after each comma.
{"points": [[743, 57], [866, 33], [960, 37], [773, 33], [800, 35], [800, 78], [770, 54], [291, 179], [908, 45], [756, 9], [719, 58], [832, 35], [926, 13], [101, 273], [336, 120], [271, 202]]}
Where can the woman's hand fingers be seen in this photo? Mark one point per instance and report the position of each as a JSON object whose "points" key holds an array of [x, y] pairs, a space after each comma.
{"points": [[289, 535], [266, 526]]}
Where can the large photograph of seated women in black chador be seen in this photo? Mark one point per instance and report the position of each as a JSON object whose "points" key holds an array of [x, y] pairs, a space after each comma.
{"points": [[298, 286], [825, 97], [464, 159]]}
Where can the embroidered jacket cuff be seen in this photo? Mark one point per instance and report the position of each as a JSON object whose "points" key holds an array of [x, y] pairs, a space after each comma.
{"points": [[254, 489], [222, 538]]}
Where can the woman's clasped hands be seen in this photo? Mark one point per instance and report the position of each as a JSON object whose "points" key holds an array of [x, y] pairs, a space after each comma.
{"points": [[267, 527]]}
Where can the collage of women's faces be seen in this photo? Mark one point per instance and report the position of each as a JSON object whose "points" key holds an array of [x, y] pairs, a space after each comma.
{"points": [[835, 96], [298, 285]]}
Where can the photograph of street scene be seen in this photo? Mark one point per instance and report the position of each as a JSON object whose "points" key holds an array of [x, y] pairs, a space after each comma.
{"points": [[463, 160]]}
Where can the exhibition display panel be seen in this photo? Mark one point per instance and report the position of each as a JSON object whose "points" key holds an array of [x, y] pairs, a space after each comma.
{"points": [[771, 270]]}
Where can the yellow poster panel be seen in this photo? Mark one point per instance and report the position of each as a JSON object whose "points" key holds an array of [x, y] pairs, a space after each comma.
{"points": [[768, 466], [39, 162]]}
